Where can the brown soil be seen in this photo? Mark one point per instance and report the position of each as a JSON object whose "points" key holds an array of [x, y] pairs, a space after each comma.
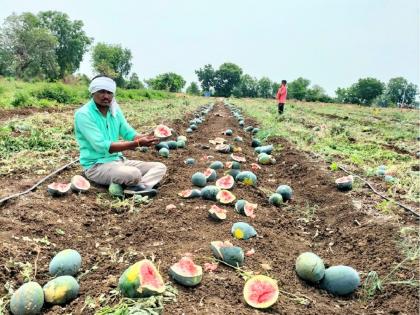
{"points": [[338, 231], [6, 114]]}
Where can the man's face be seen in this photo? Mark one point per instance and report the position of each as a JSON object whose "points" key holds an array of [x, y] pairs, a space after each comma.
{"points": [[103, 97]]}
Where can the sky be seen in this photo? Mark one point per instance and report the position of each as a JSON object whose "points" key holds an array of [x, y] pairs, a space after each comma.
{"points": [[332, 43]]}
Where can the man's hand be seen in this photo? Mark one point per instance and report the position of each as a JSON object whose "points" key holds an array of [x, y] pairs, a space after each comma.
{"points": [[146, 141]]}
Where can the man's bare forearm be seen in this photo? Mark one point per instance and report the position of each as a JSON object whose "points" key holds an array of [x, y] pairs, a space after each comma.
{"points": [[122, 146]]}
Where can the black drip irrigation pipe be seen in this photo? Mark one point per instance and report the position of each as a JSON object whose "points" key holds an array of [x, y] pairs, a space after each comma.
{"points": [[378, 193], [2, 201]]}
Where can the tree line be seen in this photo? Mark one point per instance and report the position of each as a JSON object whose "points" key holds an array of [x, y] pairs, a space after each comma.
{"points": [[49, 46]]}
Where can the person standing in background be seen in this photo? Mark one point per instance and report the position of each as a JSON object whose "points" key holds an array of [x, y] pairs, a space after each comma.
{"points": [[281, 96]]}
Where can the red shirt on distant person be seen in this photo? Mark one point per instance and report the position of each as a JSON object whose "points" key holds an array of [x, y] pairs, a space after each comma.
{"points": [[282, 93]]}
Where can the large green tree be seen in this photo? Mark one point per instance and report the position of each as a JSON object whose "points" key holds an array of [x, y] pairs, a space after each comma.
{"points": [[366, 90], [400, 91], [298, 88], [72, 39], [226, 78], [170, 82], [30, 46], [247, 87], [206, 77], [265, 87], [112, 60], [193, 89], [134, 82]]}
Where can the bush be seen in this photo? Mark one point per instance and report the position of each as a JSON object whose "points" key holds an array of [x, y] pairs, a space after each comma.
{"points": [[55, 92], [21, 98]]}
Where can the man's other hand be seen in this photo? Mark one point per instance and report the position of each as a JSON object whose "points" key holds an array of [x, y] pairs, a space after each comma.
{"points": [[146, 141]]}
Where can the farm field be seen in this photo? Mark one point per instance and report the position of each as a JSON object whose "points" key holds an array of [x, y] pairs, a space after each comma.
{"points": [[355, 228]]}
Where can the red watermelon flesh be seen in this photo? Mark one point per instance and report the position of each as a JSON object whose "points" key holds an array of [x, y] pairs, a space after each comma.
{"points": [[225, 182], [162, 131], [249, 209], [225, 197], [237, 158], [261, 291], [149, 277]]}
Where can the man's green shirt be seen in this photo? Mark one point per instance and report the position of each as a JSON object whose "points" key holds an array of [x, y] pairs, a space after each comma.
{"points": [[95, 133]]}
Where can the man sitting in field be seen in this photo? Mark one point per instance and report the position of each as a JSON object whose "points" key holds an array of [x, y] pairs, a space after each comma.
{"points": [[99, 125]]}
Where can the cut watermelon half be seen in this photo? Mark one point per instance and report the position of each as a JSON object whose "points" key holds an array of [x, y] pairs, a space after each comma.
{"points": [[238, 158], [225, 182], [186, 272], [225, 197], [162, 131], [217, 213], [261, 291]]}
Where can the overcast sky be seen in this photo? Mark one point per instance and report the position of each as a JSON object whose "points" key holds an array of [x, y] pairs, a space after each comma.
{"points": [[333, 43]]}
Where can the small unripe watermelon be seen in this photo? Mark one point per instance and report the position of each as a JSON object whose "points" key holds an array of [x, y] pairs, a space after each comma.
{"points": [[261, 291], [238, 139], [164, 152], [255, 130], [116, 190], [233, 165], [199, 179], [310, 267], [79, 184], [67, 262], [141, 280], [161, 145], [188, 130], [185, 272], [248, 128], [58, 189], [210, 192], [275, 199], [61, 290], [243, 231], [340, 280], [216, 165], [228, 132], [233, 172], [181, 138], [285, 191], [27, 300], [247, 178], [266, 159]]}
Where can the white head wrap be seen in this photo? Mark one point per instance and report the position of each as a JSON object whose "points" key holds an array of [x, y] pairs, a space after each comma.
{"points": [[105, 83]]}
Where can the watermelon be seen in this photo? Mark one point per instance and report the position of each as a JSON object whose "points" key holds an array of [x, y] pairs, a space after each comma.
{"points": [[79, 184], [65, 263], [223, 148], [248, 128], [58, 189], [161, 145], [238, 139], [238, 158], [210, 174], [190, 193], [261, 291], [264, 149], [275, 199], [285, 191], [185, 272], [243, 231], [217, 213], [61, 290], [247, 178], [180, 144], [233, 172], [246, 208], [228, 132], [266, 159], [164, 152], [210, 192], [162, 131], [225, 251], [344, 183], [141, 280], [310, 267], [116, 190], [193, 127], [233, 165], [172, 145], [27, 300], [199, 179], [255, 130], [225, 182], [181, 138], [216, 165], [340, 280], [190, 161], [225, 196], [188, 130], [255, 143]]}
